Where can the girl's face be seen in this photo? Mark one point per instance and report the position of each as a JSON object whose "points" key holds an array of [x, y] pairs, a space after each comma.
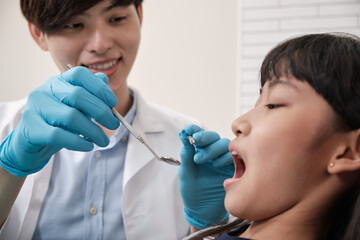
{"points": [[105, 38], [281, 150]]}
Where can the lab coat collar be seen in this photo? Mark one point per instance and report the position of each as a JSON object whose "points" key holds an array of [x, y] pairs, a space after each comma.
{"points": [[149, 125], [145, 119]]}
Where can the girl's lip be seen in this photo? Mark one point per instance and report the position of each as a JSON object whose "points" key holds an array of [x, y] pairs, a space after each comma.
{"points": [[239, 166], [228, 182]]}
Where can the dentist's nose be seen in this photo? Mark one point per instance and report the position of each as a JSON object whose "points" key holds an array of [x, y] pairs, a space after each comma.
{"points": [[100, 40], [241, 126]]}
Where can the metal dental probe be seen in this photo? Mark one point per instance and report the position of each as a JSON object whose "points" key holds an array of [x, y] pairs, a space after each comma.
{"points": [[122, 120]]}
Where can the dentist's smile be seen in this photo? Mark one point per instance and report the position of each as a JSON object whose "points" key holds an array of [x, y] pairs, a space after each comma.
{"points": [[108, 67]]}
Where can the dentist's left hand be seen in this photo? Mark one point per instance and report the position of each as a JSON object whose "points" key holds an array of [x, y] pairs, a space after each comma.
{"points": [[59, 115], [201, 176]]}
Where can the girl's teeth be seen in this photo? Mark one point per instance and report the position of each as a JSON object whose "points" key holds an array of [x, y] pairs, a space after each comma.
{"points": [[233, 153], [103, 66]]}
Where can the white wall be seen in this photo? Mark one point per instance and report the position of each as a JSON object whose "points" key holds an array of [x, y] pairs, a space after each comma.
{"points": [[23, 66], [187, 60], [267, 22]]}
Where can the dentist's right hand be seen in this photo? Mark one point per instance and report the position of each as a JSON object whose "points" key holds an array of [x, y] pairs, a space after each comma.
{"points": [[59, 115]]}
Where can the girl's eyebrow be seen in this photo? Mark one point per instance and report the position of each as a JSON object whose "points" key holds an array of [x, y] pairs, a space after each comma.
{"points": [[275, 82]]}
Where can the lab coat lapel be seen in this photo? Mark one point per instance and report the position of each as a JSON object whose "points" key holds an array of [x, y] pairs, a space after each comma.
{"points": [[148, 126]]}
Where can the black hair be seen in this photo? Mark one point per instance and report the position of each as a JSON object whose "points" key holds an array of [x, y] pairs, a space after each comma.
{"points": [[51, 15]]}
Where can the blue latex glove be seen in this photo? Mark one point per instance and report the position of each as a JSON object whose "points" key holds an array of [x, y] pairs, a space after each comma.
{"points": [[58, 115], [202, 173]]}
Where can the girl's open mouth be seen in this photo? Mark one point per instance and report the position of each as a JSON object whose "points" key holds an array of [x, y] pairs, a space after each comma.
{"points": [[239, 165]]}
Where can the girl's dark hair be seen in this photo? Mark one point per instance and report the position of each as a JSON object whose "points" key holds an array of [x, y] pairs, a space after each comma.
{"points": [[330, 63], [50, 15]]}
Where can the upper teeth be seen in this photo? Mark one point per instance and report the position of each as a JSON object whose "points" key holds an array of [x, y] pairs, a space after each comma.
{"points": [[233, 153], [103, 66]]}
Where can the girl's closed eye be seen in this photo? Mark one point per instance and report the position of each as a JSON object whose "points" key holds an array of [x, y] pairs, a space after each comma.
{"points": [[272, 106]]}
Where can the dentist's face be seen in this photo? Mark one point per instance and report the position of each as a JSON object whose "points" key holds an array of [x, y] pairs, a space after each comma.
{"points": [[105, 38], [281, 150]]}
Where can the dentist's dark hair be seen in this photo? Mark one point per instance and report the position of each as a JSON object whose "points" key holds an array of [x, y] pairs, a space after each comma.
{"points": [[330, 63], [51, 15]]}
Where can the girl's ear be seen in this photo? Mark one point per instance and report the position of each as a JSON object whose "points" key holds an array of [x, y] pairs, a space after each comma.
{"points": [[38, 36], [349, 159]]}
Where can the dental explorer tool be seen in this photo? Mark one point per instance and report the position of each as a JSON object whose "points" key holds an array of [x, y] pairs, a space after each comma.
{"points": [[127, 125], [192, 140]]}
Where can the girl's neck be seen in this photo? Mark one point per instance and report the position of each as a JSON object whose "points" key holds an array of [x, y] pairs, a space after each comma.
{"points": [[305, 220], [282, 230]]}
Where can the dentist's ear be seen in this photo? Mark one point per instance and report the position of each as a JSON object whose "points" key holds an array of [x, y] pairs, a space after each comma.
{"points": [[38, 36], [140, 13], [349, 160]]}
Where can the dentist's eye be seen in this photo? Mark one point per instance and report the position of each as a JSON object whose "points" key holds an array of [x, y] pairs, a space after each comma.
{"points": [[73, 25], [117, 19]]}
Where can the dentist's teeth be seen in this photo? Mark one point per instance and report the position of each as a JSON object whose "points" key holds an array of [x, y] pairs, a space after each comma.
{"points": [[103, 66], [234, 153]]}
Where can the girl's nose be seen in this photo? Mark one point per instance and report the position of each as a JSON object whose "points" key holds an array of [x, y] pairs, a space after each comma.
{"points": [[241, 125]]}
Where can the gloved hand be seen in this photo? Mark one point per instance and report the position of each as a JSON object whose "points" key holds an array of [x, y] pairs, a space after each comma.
{"points": [[58, 115], [202, 173]]}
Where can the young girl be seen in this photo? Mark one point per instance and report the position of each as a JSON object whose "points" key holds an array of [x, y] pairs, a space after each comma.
{"points": [[296, 153]]}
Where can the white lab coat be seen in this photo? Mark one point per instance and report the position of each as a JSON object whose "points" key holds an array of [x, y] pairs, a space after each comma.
{"points": [[152, 207]]}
